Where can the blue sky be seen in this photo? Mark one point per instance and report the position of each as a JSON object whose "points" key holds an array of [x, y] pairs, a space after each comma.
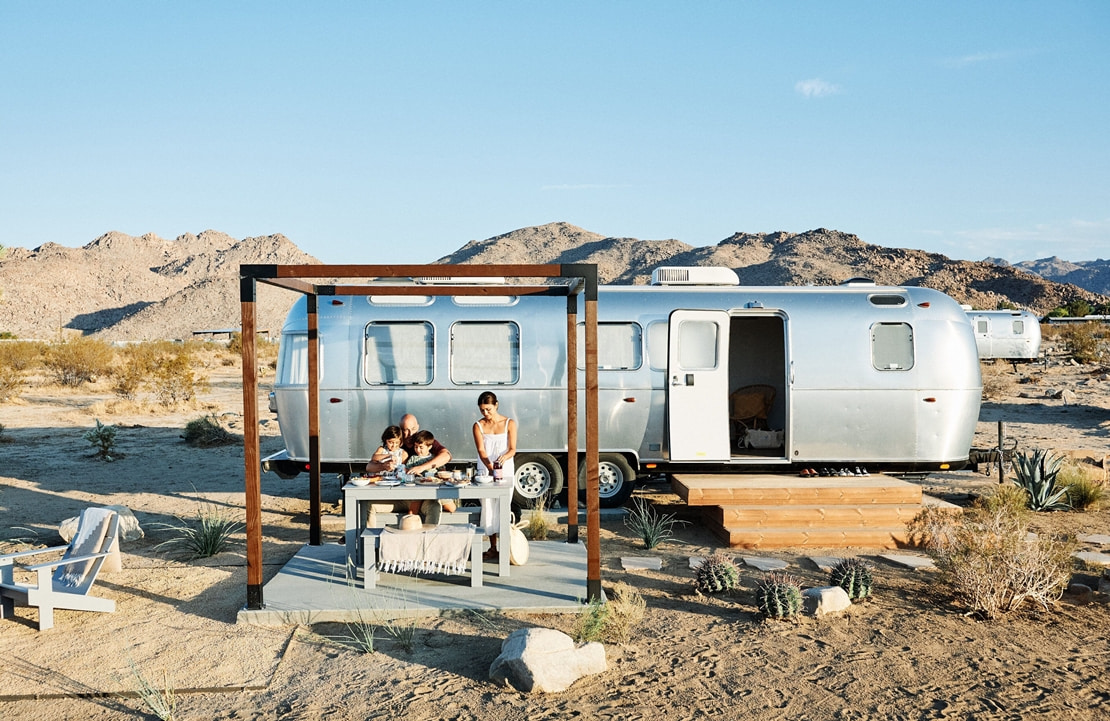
{"points": [[372, 132]]}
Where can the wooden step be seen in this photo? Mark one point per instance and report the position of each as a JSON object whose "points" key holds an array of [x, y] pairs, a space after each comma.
{"points": [[754, 538], [754, 511], [791, 517], [776, 489]]}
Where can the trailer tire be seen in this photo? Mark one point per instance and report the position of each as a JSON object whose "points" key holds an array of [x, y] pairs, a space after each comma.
{"points": [[537, 474], [615, 480]]}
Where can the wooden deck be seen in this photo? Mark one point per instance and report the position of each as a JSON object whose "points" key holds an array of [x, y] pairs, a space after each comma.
{"points": [[787, 511]]}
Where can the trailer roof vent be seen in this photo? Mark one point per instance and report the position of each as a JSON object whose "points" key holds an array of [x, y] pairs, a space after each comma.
{"points": [[695, 275], [460, 280], [858, 281]]}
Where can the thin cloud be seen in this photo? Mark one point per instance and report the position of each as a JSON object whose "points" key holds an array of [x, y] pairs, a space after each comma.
{"points": [[816, 88], [582, 186], [974, 59]]}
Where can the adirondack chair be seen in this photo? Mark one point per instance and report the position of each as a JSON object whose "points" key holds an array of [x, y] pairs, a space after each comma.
{"points": [[64, 583]]}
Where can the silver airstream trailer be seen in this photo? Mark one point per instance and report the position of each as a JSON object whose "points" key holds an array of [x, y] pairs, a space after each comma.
{"points": [[1006, 334], [695, 373]]}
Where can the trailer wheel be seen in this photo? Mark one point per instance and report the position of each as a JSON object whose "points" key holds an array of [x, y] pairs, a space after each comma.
{"points": [[615, 479], [537, 474]]}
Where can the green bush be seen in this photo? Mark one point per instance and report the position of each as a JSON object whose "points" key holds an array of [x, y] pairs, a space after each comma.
{"points": [[1036, 472], [1082, 340], [174, 379], [103, 440], [78, 360]]}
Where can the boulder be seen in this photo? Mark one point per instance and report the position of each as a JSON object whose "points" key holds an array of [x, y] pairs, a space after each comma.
{"points": [[129, 529], [543, 660], [825, 600]]}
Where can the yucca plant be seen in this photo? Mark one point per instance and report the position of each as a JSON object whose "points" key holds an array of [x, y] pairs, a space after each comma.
{"points": [[1036, 472], [212, 533], [652, 527]]}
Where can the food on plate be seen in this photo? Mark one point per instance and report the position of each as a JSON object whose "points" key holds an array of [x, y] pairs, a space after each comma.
{"points": [[445, 475]]}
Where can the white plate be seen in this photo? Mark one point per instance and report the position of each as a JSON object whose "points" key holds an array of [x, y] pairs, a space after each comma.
{"points": [[389, 482]]}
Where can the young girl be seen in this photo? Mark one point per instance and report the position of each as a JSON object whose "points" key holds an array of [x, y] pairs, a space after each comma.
{"points": [[495, 439], [390, 452]]}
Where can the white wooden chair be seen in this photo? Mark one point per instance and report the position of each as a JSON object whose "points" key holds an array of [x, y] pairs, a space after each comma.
{"points": [[64, 583]]}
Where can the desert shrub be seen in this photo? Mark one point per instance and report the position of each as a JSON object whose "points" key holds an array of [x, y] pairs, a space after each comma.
{"points": [[21, 355], [1005, 497], [649, 525], [78, 360], [611, 621], [1036, 472], [1084, 490], [1082, 342], [103, 440], [174, 379], [537, 526], [208, 431], [210, 535], [998, 380], [992, 563], [11, 383], [135, 364]]}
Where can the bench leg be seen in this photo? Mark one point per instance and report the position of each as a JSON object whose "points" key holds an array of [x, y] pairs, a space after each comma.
{"points": [[476, 561], [370, 563]]}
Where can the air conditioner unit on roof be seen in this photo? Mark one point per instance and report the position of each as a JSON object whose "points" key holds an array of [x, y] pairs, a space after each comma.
{"points": [[694, 275]]}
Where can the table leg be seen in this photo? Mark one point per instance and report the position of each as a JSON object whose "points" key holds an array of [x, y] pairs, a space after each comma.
{"points": [[350, 535], [503, 540]]}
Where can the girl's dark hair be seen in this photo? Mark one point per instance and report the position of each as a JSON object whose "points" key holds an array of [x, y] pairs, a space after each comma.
{"points": [[390, 433], [486, 398]]}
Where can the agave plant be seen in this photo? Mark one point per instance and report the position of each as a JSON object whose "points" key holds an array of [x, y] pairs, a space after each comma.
{"points": [[1036, 473]]}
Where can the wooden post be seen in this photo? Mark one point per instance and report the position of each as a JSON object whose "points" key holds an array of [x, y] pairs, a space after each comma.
{"points": [[314, 532], [252, 465], [572, 418]]}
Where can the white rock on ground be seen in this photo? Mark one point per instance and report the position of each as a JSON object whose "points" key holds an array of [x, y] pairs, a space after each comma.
{"points": [[543, 660]]}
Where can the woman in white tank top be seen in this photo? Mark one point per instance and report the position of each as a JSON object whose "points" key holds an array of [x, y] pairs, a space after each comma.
{"points": [[495, 440]]}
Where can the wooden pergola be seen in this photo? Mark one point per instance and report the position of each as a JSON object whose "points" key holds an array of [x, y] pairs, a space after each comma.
{"points": [[576, 279]]}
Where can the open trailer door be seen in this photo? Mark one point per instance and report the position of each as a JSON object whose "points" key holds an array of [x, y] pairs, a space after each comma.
{"points": [[697, 391]]}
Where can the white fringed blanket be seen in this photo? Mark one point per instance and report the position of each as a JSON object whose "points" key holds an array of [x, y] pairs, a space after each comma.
{"points": [[436, 549]]}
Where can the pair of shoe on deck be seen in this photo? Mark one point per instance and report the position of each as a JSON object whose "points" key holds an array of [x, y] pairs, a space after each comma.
{"points": [[824, 472]]}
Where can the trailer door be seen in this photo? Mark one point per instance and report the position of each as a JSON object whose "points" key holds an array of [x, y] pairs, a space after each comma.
{"points": [[697, 401]]}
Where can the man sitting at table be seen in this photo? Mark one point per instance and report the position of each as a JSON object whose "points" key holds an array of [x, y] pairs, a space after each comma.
{"points": [[427, 458]]}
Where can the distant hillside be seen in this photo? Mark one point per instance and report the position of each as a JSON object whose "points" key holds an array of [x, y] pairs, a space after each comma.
{"points": [[122, 287], [1094, 275], [816, 257], [126, 288]]}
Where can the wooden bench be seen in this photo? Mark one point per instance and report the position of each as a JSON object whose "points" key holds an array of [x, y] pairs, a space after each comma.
{"points": [[369, 541]]}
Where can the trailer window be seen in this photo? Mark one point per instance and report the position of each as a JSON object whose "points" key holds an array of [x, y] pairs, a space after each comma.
{"points": [[892, 346], [485, 353], [1019, 327], [619, 346], [657, 344], [293, 363], [981, 327], [398, 353], [697, 345]]}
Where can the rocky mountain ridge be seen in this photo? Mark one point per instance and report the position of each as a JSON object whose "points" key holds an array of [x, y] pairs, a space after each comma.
{"points": [[123, 287]]}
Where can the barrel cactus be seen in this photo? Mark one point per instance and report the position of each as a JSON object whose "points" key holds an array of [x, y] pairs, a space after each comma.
{"points": [[717, 574], [779, 596], [854, 576]]}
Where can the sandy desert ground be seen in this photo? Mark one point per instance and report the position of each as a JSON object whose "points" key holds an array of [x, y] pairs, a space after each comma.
{"points": [[909, 653]]}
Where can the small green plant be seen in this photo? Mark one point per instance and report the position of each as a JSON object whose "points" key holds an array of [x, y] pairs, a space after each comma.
{"points": [[590, 624], [779, 596], [611, 621], [1036, 472], [716, 574], [207, 431], [103, 439], [162, 701], [210, 535], [1007, 497], [649, 525], [854, 576], [538, 527], [1085, 492]]}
